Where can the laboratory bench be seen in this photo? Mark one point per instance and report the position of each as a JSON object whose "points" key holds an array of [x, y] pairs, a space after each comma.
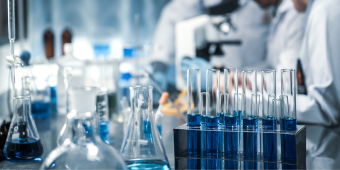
{"points": [[322, 143]]}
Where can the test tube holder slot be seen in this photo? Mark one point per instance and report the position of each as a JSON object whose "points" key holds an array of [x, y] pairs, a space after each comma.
{"points": [[182, 155]]}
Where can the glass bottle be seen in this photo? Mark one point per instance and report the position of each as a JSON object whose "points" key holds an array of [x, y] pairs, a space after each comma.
{"points": [[66, 38], [49, 43], [23, 141], [89, 153], [142, 147]]}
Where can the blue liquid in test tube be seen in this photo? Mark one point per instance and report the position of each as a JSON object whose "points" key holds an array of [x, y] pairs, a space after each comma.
{"points": [[270, 143], [250, 142], [214, 142], [231, 139], [288, 141], [194, 143]]}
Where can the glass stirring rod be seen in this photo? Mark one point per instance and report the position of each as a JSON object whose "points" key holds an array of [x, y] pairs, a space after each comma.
{"points": [[12, 59]]}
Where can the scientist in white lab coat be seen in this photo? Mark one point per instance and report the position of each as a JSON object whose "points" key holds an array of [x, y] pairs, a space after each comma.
{"points": [[248, 19], [320, 58]]}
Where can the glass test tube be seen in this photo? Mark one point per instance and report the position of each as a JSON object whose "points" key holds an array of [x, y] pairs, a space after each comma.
{"points": [[231, 85], [203, 112], [203, 108], [249, 87], [288, 89], [193, 96], [214, 138], [194, 118], [250, 136], [268, 87], [271, 140], [224, 107]]}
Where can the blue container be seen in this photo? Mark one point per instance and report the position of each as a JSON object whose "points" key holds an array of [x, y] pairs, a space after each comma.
{"points": [[194, 141], [288, 147]]}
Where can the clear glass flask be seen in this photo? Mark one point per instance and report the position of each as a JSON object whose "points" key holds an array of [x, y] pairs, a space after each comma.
{"points": [[214, 138], [142, 147], [89, 153], [23, 141], [194, 117]]}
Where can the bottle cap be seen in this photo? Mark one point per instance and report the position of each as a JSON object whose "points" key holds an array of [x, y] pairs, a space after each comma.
{"points": [[164, 98]]}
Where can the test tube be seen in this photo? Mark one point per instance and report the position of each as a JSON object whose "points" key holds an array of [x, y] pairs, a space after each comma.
{"points": [[231, 85], [288, 92], [214, 137], [288, 147], [231, 137], [250, 134], [203, 108], [288, 116], [249, 88], [194, 117], [268, 87], [193, 96], [203, 112], [271, 138], [224, 106]]}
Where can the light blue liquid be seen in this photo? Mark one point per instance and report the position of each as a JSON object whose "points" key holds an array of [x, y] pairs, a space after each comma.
{"points": [[270, 142], [104, 131], [288, 147], [214, 142], [147, 165], [159, 127], [250, 141]]}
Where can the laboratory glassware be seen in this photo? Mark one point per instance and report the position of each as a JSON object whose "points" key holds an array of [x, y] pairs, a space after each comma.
{"points": [[288, 117], [203, 112], [126, 109], [194, 117], [40, 96], [268, 87], [81, 99], [231, 85], [214, 138], [90, 152], [23, 141], [159, 116], [103, 112], [203, 108], [251, 139], [49, 43], [142, 147], [249, 87], [193, 95], [66, 38], [271, 140]]}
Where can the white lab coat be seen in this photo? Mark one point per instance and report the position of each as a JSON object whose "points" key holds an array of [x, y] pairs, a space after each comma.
{"points": [[320, 58], [284, 39], [248, 18]]}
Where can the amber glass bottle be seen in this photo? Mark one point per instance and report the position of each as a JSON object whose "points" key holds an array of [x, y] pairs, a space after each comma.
{"points": [[66, 38], [49, 43]]}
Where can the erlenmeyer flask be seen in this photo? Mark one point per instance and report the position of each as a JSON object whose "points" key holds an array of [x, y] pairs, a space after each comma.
{"points": [[90, 153], [23, 141], [142, 147]]}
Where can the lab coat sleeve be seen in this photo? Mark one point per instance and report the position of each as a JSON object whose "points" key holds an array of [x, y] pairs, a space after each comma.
{"points": [[294, 35], [321, 63], [173, 12]]}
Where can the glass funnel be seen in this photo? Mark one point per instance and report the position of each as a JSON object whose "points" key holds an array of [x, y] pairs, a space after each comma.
{"points": [[142, 147], [23, 141], [89, 153]]}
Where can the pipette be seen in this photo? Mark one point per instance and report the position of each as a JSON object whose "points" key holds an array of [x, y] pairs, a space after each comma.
{"points": [[12, 59]]}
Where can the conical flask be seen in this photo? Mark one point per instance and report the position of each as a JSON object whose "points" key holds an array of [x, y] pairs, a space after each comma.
{"points": [[81, 99], [23, 141], [90, 153], [142, 147]]}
